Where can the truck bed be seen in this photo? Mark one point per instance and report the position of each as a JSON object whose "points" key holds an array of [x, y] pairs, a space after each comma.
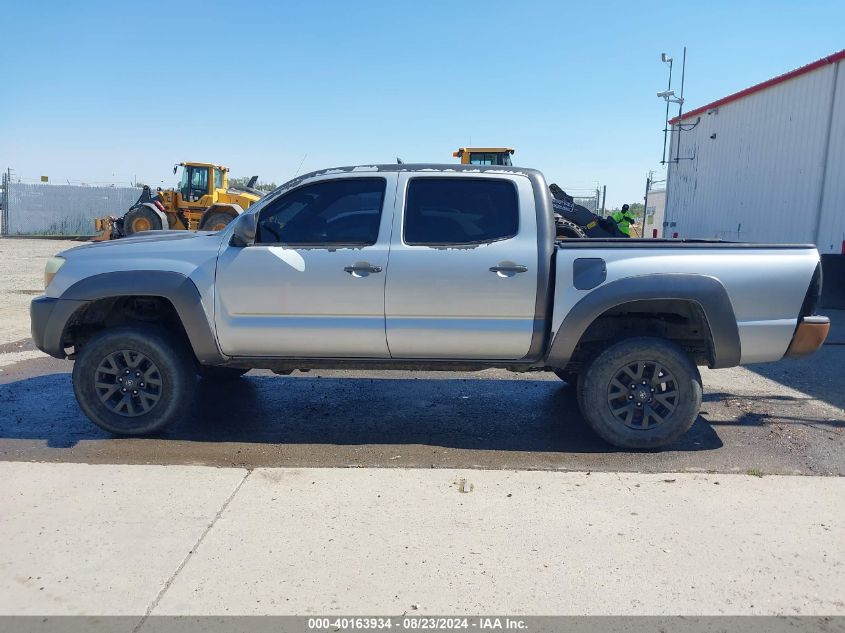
{"points": [[766, 283]]}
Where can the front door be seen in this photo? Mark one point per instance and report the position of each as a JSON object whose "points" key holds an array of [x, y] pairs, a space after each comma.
{"points": [[313, 283], [463, 271]]}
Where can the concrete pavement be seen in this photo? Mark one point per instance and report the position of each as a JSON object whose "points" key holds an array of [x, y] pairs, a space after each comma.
{"points": [[137, 540]]}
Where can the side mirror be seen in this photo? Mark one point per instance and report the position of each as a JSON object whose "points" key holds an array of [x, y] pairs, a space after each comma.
{"points": [[243, 233]]}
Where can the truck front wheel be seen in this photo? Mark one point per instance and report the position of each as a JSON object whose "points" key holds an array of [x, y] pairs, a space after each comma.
{"points": [[640, 393], [134, 380]]}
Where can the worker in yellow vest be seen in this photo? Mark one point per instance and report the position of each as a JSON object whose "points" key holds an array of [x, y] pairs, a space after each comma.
{"points": [[624, 219]]}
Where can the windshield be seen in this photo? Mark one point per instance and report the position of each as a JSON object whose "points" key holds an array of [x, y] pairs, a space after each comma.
{"points": [[218, 178], [183, 179], [490, 158]]}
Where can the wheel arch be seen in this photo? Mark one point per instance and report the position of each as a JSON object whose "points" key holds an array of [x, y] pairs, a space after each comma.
{"points": [[176, 289], [704, 293]]}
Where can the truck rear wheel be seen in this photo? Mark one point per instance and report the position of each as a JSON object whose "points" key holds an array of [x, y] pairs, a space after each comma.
{"points": [[140, 219], [134, 380], [640, 393]]}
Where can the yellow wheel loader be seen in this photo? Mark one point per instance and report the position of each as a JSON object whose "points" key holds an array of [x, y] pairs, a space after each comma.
{"points": [[203, 200]]}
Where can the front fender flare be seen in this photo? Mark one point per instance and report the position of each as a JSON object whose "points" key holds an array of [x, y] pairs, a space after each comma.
{"points": [[173, 286], [708, 292]]}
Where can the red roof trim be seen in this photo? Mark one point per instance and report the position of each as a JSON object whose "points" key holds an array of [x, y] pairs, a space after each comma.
{"points": [[830, 59]]}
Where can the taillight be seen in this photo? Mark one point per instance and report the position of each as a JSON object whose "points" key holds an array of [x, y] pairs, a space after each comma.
{"points": [[814, 292]]}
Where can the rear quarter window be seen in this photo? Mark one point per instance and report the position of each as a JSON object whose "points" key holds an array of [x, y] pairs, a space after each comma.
{"points": [[456, 211]]}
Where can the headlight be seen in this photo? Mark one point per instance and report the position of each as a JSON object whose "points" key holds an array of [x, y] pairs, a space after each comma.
{"points": [[52, 267]]}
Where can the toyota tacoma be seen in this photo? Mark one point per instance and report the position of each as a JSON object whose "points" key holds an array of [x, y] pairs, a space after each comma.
{"points": [[422, 267]]}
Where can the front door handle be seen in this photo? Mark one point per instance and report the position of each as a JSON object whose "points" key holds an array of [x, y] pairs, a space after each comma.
{"points": [[361, 267], [511, 268]]}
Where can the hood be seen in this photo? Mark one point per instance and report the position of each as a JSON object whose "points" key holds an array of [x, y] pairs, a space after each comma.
{"points": [[146, 237]]}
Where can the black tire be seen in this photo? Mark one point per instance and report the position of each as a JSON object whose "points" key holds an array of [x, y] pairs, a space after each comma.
{"points": [[139, 219], [633, 414], [215, 221], [220, 374], [135, 407], [569, 377], [566, 229]]}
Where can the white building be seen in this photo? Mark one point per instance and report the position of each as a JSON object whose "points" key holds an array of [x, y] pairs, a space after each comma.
{"points": [[655, 209], [766, 164]]}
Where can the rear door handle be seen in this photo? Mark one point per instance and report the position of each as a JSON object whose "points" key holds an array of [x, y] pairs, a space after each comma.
{"points": [[513, 268], [362, 268]]}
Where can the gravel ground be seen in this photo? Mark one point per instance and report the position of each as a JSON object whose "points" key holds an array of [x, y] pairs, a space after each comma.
{"points": [[22, 278]]}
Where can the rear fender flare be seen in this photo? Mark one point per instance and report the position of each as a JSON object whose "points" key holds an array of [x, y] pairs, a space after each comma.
{"points": [[708, 292]]}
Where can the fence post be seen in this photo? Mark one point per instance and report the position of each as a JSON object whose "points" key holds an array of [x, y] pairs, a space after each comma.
{"points": [[4, 216]]}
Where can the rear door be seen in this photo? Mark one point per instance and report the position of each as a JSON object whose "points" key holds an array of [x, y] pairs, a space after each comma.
{"points": [[463, 271], [313, 283]]}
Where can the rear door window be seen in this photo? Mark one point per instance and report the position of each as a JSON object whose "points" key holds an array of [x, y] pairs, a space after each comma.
{"points": [[456, 211]]}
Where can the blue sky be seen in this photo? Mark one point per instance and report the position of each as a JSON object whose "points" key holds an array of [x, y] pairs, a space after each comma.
{"points": [[109, 91]]}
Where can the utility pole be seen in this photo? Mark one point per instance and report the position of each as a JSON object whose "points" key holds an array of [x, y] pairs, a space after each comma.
{"points": [[666, 60], [645, 198], [603, 197], [681, 106]]}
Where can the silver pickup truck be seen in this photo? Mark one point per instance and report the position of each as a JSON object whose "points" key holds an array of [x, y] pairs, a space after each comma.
{"points": [[421, 267]]}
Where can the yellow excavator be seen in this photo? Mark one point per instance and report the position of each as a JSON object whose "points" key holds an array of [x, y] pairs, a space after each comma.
{"points": [[203, 200], [484, 155]]}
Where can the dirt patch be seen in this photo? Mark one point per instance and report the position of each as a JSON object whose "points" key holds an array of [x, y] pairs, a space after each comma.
{"points": [[22, 278]]}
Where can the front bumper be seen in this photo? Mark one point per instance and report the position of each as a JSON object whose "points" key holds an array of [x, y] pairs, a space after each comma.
{"points": [[48, 318], [809, 336]]}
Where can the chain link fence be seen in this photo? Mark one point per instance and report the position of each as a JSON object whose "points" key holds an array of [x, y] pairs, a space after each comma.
{"points": [[591, 203], [67, 210]]}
